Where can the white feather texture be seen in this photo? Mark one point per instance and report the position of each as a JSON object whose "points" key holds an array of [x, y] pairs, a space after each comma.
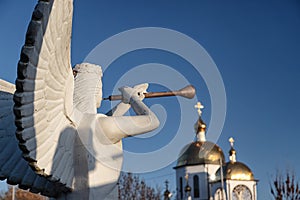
{"points": [[48, 111], [44, 92], [12, 166]]}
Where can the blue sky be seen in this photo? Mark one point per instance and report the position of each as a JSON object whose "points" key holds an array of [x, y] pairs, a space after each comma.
{"points": [[255, 45]]}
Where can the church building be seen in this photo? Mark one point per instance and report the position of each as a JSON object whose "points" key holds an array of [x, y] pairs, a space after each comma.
{"points": [[203, 174]]}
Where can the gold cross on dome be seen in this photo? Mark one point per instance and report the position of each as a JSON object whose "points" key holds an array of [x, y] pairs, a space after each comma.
{"points": [[199, 106], [231, 140]]}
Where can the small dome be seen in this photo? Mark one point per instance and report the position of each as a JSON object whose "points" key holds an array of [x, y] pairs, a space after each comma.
{"points": [[197, 153], [236, 171]]}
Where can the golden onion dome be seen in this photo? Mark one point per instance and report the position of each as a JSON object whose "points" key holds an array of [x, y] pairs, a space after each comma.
{"points": [[235, 171], [200, 152]]}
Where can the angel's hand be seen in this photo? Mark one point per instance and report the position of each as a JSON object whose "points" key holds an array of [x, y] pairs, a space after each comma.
{"points": [[133, 94], [120, 127]]}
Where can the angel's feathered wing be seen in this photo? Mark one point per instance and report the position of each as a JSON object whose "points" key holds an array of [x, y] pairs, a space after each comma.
{"points": [[44, 92], [12, 166]]}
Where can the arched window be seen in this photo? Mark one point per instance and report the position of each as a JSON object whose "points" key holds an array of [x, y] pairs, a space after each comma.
{"points": [[180, 188], [219, 195], [196, 186], [241, 192]]}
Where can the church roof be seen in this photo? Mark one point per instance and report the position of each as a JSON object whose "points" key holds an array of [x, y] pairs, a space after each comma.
{"points": [[200, 152], [235, 171]]}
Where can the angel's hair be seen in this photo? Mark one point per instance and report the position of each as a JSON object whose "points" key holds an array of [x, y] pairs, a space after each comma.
{"points": [[88, 68], [88, 87]]}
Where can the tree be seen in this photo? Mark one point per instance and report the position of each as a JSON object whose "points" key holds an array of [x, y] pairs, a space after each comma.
{"points": [[285, 187], [130, 187], [21, 195]]}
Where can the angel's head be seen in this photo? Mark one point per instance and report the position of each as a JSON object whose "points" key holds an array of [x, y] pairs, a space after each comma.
{"points": [[88, 87]]}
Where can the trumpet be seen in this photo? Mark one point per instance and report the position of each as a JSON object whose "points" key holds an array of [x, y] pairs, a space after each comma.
{"points": [[186, 92]]}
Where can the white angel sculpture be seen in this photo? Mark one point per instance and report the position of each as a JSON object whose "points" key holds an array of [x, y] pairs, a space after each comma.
{"points": [[73, 152]]}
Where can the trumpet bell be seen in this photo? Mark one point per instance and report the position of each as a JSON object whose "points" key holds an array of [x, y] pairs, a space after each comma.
{"points": [[187, 92]]}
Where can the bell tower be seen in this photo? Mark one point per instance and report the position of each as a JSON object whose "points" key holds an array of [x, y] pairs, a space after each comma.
{"points": [[235, 180]]}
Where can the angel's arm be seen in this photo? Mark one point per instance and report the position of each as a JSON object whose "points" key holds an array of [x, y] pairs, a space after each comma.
{"points": [[116, 128], [119, 110]]}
